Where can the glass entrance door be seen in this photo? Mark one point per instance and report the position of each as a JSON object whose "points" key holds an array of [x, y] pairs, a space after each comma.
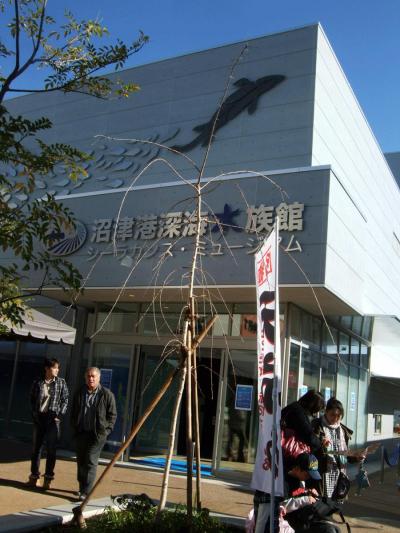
{"points": [[208, 376], [115, 364], [304, 370], [154, 368], [238, 417]]}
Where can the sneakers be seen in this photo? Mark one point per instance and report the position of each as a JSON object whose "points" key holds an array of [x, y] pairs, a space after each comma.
{"points": [[46, 483], [81, 496], [33, 481]]}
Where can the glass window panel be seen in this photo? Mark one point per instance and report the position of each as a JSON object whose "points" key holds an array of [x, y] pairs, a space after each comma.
{"points": [[293, 376], [364, 355], [357, 325], [160, 324], [344, 346], [306, 328], [29, 368], [154, 434], [342, 385], [295, 322], [329, 345], [345, 321], [7, 356], [328, 377], [309, 371], [316, 332], [362, 408], [245, 308], [352, 401], [221, 326], [240, 425], [354, 351], [114, 363], [367, 328], [122, 319]]}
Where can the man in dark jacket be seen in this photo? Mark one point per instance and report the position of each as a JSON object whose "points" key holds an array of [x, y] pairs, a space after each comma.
{"points": [[49, 402], [93, 416]]}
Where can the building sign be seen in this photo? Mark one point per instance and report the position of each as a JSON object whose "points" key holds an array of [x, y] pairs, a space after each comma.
{"points": [[140, 237], [303, 390], [248, 325], [353, 401], [183, 223], [244, 397], [106, 377], [327, 393], [67, 240]]}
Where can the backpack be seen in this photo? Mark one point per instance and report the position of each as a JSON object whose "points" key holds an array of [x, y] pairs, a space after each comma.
{"points": [[303, 519]]}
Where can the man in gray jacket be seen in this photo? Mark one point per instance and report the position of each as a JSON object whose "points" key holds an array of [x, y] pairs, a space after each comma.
{"points": [[93, 416]]}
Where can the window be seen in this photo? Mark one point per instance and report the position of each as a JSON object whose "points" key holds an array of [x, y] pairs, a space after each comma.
{"points": [[377, 424], [122, 319], [161, 319], [329, 340]]}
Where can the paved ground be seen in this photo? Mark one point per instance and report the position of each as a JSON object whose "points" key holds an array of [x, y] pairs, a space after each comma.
{"points": [[377, 509]]}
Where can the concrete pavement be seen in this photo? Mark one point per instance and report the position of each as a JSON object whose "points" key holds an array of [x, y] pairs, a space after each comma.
{"points": [[377, 509]]}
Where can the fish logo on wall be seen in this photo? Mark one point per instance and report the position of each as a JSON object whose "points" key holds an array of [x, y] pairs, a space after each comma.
{"points": [[245, 97], [68, 240]]}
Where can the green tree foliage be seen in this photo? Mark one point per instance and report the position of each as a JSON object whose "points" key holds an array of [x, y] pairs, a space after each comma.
{"points": [[71, 60]]}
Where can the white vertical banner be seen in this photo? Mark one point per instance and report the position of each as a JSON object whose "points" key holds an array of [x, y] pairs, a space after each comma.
{"points": [[268, 369]]}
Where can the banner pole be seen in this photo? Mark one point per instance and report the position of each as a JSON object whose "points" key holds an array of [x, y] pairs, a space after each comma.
{"points": [[274, 466]]}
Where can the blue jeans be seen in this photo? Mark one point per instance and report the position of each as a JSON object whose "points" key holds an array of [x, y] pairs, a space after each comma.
{"points": [[45, 430]]}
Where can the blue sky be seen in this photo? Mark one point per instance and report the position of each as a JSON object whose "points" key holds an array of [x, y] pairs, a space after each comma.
{"points": [[365, 35]]}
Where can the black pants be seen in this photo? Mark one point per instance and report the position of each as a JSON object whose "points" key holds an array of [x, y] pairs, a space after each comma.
{"points": [[88, 449], [229, 450], [45, 429]]}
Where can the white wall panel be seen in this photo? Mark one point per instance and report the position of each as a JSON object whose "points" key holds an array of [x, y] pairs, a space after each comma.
{"points": [[343, 138]]}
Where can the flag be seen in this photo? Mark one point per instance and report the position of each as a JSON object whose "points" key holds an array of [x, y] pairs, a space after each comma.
{"points": [[268, 367]]}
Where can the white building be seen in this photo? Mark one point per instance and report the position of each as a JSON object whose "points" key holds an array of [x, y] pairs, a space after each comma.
{"points": [[290, 114]]}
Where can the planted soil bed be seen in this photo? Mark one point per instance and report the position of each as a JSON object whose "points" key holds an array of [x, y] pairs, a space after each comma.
{"points": [[145, 520]]}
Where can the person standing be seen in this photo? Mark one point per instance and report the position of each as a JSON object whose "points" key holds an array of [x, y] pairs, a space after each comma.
{"points": [[49, 402], [297, 416], [93, 416], [335, 436]]}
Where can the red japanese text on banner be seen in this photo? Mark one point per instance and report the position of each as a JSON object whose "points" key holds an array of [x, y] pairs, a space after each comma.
{"points": [[268, 366]]}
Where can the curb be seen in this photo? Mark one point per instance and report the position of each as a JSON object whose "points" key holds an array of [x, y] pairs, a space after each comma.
{"points": [[49, 516], [57, 515]]}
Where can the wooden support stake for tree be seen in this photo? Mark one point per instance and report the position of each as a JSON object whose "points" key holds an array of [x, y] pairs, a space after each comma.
{"points": [[78, 511], [195, 403], [196, 343], [189, 435]]}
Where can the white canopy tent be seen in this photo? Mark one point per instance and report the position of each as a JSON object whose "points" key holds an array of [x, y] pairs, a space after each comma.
{"points": [[41, 326]]}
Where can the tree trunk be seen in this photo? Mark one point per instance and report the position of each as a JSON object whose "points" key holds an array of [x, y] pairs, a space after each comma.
{"points": [[172, 435]]}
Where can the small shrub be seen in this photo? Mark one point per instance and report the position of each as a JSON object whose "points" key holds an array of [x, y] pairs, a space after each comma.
{"points": [[145, 520]]}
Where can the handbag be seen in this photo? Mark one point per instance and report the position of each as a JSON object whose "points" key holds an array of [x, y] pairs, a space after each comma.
{"points": [[342, 486], [303, 519]]}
